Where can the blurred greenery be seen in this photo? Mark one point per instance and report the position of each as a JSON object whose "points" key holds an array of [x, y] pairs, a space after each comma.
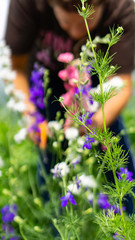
{"points": [[128, 115]]}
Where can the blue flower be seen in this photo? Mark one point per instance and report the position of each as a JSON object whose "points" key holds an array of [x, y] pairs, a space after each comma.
{"points": [[116, 209], [125, 174], [103, 201], [67, 198], [88, 141]]}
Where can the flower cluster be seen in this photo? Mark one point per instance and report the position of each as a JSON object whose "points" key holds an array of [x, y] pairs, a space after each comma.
{"points": [[71, 77], [37, 88], [8, 214]]}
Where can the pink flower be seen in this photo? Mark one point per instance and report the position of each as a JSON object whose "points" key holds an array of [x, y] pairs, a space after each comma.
{"points": [[72, 72], [63, 74], [65, 57], [68, 97], [67, 86]]}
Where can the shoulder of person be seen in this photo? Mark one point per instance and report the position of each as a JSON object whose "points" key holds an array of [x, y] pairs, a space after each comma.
{"points": [[118, 10]]}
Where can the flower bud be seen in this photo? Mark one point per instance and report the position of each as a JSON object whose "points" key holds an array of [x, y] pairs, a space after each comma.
{"points": [[55, 144], [13, 181], [24, 168], [88, 211], [37, 229], [14, 198], [83, 9], [119, 29], [37, 201], [6, 192], [61, 138], [61, 99], [18, 220], [20, 193]]}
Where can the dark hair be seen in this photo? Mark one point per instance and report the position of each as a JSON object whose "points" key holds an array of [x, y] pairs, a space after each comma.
{"points": [[69, 5]]}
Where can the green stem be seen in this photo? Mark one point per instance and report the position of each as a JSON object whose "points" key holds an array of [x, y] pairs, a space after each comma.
{"points": [[32, 184], [120, 201], [58, 229], [21, 231], [89, 36]]}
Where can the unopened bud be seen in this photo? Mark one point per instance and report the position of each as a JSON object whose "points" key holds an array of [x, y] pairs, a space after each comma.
{"points": [[37, 229], [24, 168], [55, 144], [88, 211], [120, 29], [18, 219], [61, 138], [6, 192], [83, 9], [37, 201]]}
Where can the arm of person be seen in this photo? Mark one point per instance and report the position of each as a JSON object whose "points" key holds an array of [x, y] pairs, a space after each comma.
{"points": [[19, 64], [115, 105]]}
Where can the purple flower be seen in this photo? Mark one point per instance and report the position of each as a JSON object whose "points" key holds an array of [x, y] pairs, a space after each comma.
{"points": [[8, 213], [77, 181], [5, 209], [37, 88], [14, 238], [103, 201], [7, 228], [88, 141], [89, 68], [125, 174], [67, 198], [116, 209], [117, 237], [86, 118], [35, 128]]}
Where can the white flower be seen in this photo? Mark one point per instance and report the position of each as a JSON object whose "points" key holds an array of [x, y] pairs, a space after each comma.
{"points": [[5, 61], [21, 135], [90, 197], [4, 49], [54, 125], [60, 169], [19, 95], [1, 162], [9, 89], [72, 187], [116, 82], [16, 106], [80, 141], [19, 106], [94, 107], [75, 159], [71, 133], [11, 103], [88, 181]]}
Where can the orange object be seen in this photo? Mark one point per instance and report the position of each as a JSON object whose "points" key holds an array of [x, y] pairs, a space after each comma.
{"points": [[43, 134]]}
